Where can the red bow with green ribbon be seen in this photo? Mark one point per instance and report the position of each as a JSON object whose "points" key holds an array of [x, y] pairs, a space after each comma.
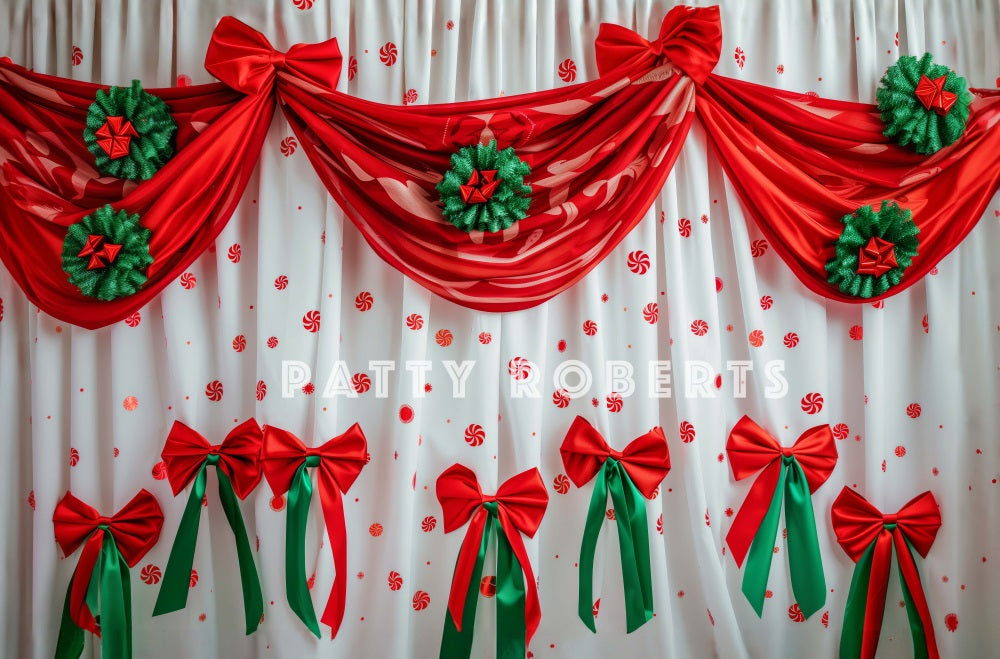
{"points": [[627, 476], [517, 507], [868, 537], [188, 456], [339, 461], [789, 473], [111, 545]]}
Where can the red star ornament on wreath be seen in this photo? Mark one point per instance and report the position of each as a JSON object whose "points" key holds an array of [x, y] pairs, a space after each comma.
{"points": [[877, 257], [931, 94], [115, 136], [101, 254]]}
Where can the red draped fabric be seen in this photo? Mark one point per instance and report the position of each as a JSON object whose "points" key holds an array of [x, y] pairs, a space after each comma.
{"points": [[800, 163], [599, 153], [48, 182]]}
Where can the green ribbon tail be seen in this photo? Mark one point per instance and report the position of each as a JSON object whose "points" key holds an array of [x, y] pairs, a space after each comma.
{"points": [[296, 585], [69, 644], [917, 633], [588, 547], [633, 543], [253, 598], [804, 560], [511, 599], [177, 575], [116, 602], [458, 644], [854, 612], [758, 563]]}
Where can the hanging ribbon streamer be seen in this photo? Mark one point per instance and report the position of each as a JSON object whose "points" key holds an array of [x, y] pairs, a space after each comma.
{"points": [[517, 508], [793, 474], [627, 476], [868, 537], [188, 456], [111, 545], [339, 461]]}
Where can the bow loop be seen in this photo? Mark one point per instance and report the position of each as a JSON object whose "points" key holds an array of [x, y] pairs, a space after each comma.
{"points": [[646, 459], [135, 528], [244, 59], [460, 496], [690, 38], [343, 457], [238, 456], [522, 499]]}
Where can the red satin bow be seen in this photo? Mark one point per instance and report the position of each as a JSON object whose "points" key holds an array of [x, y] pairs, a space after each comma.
{"points": [[521, 503], [135, 529], [239, 456], [858, 524], [690, 38], [340, 461], [750, 449], [646, 459], [244, 59]]}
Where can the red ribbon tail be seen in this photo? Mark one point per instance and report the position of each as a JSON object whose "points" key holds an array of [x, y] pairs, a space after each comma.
{"points": [[912, 579], [752, 512], [465, 565], [878, 584], [532, 607], [336, 530], [78, 609]]}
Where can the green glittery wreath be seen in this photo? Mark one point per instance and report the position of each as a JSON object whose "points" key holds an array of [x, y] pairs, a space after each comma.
{"points": [[906, 119], [890, 223], [506, 202], [121, 274], [153, 128]]}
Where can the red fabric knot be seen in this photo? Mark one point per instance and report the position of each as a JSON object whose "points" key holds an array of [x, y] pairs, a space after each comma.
{"points": [[277, 59], [877, 257], [244, 59], [889, 519], [615, 453], [102, 520], [489, 497], [787, 451], [690, 38], [115, 136]]}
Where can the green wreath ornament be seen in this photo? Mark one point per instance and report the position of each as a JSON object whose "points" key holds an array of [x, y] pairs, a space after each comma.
{"points": [[484, 190], [105, 254], [873, 250], [129, 132], [923, 105]]}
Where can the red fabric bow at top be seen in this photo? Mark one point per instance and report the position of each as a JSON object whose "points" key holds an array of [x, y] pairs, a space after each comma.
{"points": [[244, 59], [239, 456], [646, 459], [690, 38], [750, 449], [135, 529], [868, 537], [520, 504], [339, 462]]}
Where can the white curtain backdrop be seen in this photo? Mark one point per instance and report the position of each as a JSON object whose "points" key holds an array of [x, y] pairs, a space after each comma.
{"points": [[107, 398]]}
